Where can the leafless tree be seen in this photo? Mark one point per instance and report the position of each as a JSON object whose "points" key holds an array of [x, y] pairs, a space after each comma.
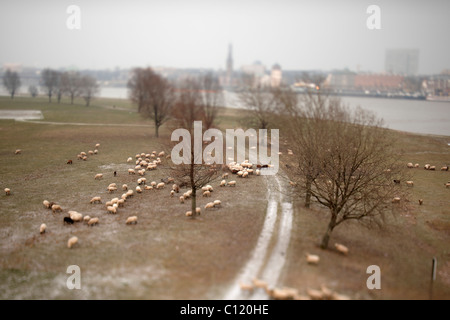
{"points": [[33, 91], [154, 95], [344, 160], [211, 97], [49, 80], [11, 81], [88, 89], [188, 107], [71, 85], [259, 100]]}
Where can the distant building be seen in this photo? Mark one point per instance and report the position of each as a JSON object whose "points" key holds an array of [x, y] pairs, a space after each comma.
{"points": [[438, 85], [402, 61], [340, 80], [275, 76], [378, 82], [257, 69]]}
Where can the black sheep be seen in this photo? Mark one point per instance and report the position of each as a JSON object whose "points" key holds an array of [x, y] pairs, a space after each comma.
{"points": [[68, 220]]}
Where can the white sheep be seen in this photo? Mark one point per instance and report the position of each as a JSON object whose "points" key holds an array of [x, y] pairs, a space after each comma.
{"points": [[217, 203], [225, 175], [160, 185], [410, 183], [86, 218], [312, 258], [46, 204], [75, 216], [95, 200], [111, 189], [130, 193], [18, 151], [148, 188], [7, 191], [341, 248], [92, 221], [153, 183], [181, 199], [172, 193], [223, 183], [198, 210], [188, 213], [131, 171], [258, 172], [130, 159], [132, 219], [410, 165], [42, 228], [396, 200], [138, 189], [124, 187], [232, 183], [56, 207], [98, 176], [209, 205], [245, 174], [112, 209], [71, 242], [97, 145], [206, 194]]}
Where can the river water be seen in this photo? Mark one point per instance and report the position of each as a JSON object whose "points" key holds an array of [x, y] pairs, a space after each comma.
{"points": [[417, 116]]}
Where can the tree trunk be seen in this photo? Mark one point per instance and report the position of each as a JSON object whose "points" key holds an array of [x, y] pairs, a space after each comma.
{"points": [[326, 237], [49, 97], [194, 202], [71, 99], [156, 130], [308, 193]]}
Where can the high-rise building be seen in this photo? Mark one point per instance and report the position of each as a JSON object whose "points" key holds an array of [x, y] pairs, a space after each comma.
{"points": [[229, 76], [402, 61]]}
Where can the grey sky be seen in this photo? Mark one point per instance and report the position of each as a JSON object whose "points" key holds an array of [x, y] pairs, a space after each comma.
{"points": [[298, 34]]}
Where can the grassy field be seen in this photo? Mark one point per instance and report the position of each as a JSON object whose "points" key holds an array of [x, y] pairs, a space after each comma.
{"points": [[166, 255]]}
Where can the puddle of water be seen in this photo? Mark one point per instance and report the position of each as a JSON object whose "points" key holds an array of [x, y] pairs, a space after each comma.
{"points": [[21, 114]]}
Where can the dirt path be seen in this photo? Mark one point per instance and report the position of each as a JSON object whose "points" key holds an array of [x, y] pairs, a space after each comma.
{"points": [[267, 264]]}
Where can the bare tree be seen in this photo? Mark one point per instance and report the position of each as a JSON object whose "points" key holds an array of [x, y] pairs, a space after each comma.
{"points": [[49, 80], [346, 161], [71, 85], [33, 91], [211, 97], [11, 81], [154, 94], [188, 107], [88, 89], [258, 99]]}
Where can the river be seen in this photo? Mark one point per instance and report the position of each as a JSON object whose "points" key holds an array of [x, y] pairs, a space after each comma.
{"points": [[417, 116]]}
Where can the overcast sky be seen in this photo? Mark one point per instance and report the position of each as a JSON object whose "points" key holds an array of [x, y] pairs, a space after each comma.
{"points": [[297, 34]]}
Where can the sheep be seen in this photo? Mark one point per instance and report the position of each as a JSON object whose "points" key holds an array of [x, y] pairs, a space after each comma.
{"points": [[130, 193], [111, 189], [420, 202], [172, 193], [108, 204], [69, 161], [209, 205], [206, 194], [223, 183], [8, 191], [312, 258], [410, 183], [95, 200], [86, 218], [416, 165], [217, 203], [161, 154], [188, 213], [131, 220], [72, 241], [153, 183], [111, 209], [131, 171], [433, 168], [409, 165], [315, 294], [198, 210], [427, 166], [176, 188], [160, 185], [130, 159], [75, 216], [18, 151], [444, 168], [98, 176], [341, 248], [181, 199], [447, 185], [282, 294], [84, 158], [91, 153], [245, 174], [113, 185], [258, 172], [225, 175], [138, 189], [67, 220], [92, 222], [148, 188], [97, 145], [95, 151], [232, 183], [42, 228], [46, 204], [56, 207], [124, 187], [240, 173], [396, 200], [83, 154]]}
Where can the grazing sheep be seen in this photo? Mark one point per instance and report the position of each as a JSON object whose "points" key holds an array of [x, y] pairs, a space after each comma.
{"points": [[188, 214], [225, 175], [153, 183], [148, 188], [176, 188], [206, 194], [111, 209], [223, 183], [245, 174], [7, 191], [315, 294], [75, 216], [111, 189], [420, 201], [130, 159], [217, 203], [258, 172], [427, 166], [396, 200], [312, 258], [92, 222], [410, 183], [86, 218], [161, 154], [447, 185], [396, 181], [69, 162], [341, 248], [181, 199], [18, 151], [131, 171], [209, 205], [91, 153], [72, 241], [96, 200], [410, 165], [172, 193], [95, 151], [444, 168], [56, 207], [160, 185], [198, 210], [42, 228], [46, 204], [433, 168], [124, 187], [98, 176], [232, 183], [131, 220], [67, 220], [130, 193], [138, 189]]}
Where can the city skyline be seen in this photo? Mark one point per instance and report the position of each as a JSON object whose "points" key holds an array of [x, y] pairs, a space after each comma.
{"points": [[297, 35]]}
